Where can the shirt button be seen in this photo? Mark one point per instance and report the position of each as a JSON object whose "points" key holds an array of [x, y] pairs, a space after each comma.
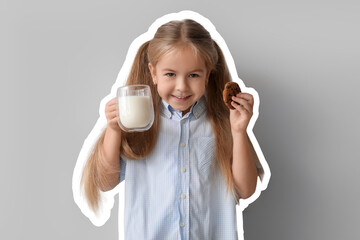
{"points": [[182, 224], [196, 114], [183, 121], [183, 196], [169, 114], [183, 169], [182, 144]]}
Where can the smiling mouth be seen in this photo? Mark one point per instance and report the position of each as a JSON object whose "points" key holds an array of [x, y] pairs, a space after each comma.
{"points": [[182, 98]]}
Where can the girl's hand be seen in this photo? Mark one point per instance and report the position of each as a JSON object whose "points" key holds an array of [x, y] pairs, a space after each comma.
{"points": [[240, 116], [112, 115]]}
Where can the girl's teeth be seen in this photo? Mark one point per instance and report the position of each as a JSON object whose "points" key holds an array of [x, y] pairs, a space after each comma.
{"points": [[182, 97]]}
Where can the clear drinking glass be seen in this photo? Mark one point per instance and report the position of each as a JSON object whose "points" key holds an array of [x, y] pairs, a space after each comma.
{"points": [[135, 108]]}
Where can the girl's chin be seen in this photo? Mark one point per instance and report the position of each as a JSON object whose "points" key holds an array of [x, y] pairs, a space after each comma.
{"points": [[181, 107]]}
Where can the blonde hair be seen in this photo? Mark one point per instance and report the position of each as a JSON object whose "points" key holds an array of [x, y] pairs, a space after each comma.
{"points": [[167, 38]]}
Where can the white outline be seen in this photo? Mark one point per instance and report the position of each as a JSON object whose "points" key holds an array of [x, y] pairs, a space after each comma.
{"points": [[108, 197]]}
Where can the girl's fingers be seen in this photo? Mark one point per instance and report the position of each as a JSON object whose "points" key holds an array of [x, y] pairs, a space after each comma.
{"points": [[115, 121], [244, 103], [240, 108], [111, 108], [113, 114], [111, 102], [246, 96]]}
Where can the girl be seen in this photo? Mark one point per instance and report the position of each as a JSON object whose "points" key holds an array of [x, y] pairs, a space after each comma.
{"points": [[185, 175]]}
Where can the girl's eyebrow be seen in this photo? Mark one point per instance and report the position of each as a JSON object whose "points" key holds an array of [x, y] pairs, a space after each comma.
{"points": [[168, 70], [197, 70], [171, 70]]}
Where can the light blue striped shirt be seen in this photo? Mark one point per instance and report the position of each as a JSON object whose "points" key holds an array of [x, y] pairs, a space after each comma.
{"points": [[169, 195]]}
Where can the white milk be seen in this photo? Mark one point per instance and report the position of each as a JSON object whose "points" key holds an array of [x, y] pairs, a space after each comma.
{"points": [[135, 111]]}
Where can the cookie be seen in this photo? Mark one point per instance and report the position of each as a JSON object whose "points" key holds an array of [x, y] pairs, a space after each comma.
{"points": [[230, 89]]}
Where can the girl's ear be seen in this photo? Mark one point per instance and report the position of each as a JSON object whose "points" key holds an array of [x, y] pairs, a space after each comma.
{"points": [[152, 71]]}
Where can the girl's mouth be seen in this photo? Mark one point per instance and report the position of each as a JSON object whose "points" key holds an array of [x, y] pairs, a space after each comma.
{"points": [[182, 98]]}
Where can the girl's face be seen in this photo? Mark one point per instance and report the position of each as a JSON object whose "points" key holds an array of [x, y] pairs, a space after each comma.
{"points": [[181, 78]]}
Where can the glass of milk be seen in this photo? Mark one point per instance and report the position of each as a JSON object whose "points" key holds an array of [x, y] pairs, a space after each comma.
{"points": [[135, 108]]}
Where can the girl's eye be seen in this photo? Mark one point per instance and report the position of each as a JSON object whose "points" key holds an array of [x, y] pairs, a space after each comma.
{"points": [[193, 75], [170, 74]]}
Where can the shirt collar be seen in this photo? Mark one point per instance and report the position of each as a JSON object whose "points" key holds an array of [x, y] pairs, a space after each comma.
{"points": [[196, 110]]}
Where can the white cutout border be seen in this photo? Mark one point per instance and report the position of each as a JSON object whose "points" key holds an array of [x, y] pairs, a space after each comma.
{"points": [[108, 197]]}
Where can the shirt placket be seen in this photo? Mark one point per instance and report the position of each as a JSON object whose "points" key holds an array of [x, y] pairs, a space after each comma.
{"points": [[184, 178]]}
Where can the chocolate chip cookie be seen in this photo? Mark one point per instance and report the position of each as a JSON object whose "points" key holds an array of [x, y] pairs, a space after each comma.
{"points": [[230, 89]]}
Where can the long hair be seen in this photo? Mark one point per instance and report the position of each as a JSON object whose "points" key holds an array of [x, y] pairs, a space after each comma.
{"points": [[139, 145]]}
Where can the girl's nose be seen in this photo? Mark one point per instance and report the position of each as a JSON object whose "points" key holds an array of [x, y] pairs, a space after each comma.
{"points": [[181, 83]]}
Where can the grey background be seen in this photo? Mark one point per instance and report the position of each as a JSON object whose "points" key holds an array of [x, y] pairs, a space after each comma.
{"points": [[60, 58]]}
